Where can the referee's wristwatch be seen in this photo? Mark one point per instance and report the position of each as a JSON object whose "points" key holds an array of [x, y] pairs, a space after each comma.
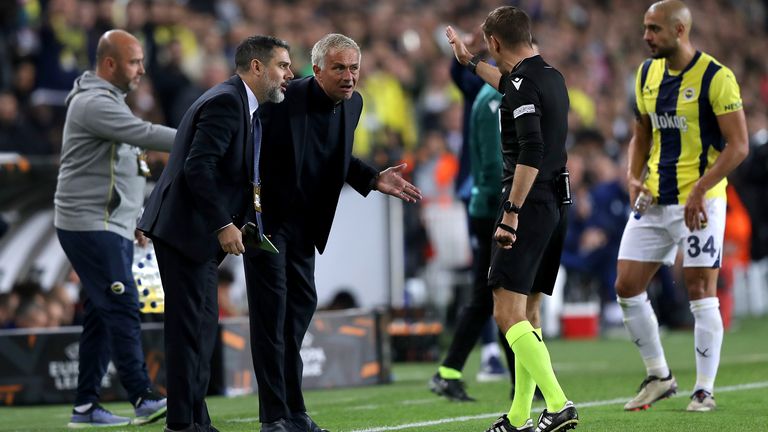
{"points": [[509, 207]]}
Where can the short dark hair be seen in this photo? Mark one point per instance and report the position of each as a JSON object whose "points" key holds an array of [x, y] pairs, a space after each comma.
{"points": [[256, 47], [509, 24]]}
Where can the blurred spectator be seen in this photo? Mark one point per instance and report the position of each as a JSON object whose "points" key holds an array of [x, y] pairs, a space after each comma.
{"points": [[62, 299], [30, 314], [16, 134], [213, 72], [436, 169], [63, 53], [170, 80], [55, 313], [9, 302]]}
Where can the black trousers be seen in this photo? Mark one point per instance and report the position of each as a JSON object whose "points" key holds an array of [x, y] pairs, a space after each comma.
{"points": [[474, 316], [281, 302], [191, 323]]}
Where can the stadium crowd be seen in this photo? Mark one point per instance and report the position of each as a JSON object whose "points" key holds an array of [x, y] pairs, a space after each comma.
{"points": [[412, 110]]}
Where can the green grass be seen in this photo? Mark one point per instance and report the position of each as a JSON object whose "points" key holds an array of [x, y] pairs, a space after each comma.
{"points": [[599, 376]]}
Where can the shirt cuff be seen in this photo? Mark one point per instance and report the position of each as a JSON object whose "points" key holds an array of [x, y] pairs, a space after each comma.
{"points": [[219, 230]]}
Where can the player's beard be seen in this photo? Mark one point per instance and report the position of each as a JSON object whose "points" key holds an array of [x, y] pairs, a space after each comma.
{"points": [[664, 52]]}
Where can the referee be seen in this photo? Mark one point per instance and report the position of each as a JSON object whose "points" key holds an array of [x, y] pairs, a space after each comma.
{"points": [[531, 225]]}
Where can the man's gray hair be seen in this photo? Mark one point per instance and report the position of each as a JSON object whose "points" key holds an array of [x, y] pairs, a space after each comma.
{"points": [[332, 41]]}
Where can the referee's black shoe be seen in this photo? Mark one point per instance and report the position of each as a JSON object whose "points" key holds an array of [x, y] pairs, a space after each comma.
{"points": [[502, 424], [453, 389], [565, 419]]}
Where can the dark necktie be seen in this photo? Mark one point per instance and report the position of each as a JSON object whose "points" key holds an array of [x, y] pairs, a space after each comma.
{"points": [[256, 133]]}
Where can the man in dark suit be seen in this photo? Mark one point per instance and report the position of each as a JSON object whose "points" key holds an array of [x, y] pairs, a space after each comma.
{"points": [[194, 212], [307, 150]]}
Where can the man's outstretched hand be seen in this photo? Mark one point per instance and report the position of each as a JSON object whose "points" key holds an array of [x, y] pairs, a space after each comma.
{"points": [[391, 182]]}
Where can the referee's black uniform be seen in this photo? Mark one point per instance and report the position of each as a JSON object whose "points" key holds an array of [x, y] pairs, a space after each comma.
{"points": [[534, 125]]}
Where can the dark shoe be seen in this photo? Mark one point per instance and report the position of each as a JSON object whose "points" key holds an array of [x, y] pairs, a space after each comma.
{"points": [[453, 389], [207, 428], [281, 425], [305, 423], [566, 418], [502, 424]]}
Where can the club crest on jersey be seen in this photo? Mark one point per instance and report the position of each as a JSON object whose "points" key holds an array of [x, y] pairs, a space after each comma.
{"points": [[689, 93], [666, 121], [516, 81]]}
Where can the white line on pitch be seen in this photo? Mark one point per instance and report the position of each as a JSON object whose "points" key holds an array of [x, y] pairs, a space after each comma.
{"points": [[725, 389]]}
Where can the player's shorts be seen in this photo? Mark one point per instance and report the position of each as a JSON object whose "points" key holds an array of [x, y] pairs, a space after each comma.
{"points": [[657, 235], [531, 265]]}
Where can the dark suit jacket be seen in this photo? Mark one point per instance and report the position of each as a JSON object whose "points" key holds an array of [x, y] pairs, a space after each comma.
{"points": [[282, 157], [206, 184]]}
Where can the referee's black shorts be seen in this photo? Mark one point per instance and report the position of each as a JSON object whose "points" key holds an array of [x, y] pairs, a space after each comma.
{"points": [[531, 265]]}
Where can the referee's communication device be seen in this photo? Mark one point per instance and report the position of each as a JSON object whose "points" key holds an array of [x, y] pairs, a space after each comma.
{"points": [[563, 185]]}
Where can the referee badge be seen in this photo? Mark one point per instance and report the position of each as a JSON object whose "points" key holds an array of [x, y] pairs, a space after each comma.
{"points": [[689, 93]]}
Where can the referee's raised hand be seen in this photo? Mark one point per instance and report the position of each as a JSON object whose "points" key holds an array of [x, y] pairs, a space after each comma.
{"points": [[459, 48]]}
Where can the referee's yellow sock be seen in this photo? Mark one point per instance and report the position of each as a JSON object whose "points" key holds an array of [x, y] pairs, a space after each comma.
{"points": [[448, 373], [533, 355], [525, 387]]}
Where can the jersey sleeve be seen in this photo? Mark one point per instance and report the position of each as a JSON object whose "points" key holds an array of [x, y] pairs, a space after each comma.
{"points": [[724, 92], [522, 97], [640, 108]]}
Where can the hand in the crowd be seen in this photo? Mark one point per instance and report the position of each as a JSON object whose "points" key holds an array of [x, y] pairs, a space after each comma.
{"points": [[503, 237], [635, 186], [695, 211], [459, 48], [592, 238], [141, 239], [231, 240], [391, 182]]}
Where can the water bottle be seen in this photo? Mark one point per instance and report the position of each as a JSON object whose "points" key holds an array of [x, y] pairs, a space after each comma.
{"points": [[642, 203]]}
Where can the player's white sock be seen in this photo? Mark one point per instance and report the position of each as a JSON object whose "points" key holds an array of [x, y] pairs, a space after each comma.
{"points": [[489, 350], [708, 338], [643, 328], [83, 408]]}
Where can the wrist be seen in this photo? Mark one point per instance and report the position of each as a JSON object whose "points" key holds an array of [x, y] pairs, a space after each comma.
{"points": [[471, 64], [699, 188], [374, 182], [509, 219], [511, 208]]}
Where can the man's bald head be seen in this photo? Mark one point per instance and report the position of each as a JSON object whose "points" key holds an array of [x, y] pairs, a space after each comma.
{"points": [[120, 59], [110, 43], [675, 12]]}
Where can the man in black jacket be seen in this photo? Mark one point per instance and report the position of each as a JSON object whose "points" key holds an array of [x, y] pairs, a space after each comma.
{"points": [[196, 209], [307, 159]]}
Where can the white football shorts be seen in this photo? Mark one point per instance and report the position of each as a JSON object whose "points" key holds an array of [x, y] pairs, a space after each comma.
{"points": [[657, 235]]}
